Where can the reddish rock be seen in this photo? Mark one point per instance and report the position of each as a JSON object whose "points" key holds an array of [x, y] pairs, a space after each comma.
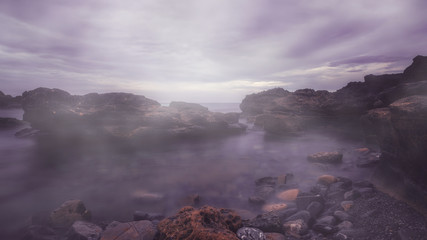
{"points": [[206, 223]]}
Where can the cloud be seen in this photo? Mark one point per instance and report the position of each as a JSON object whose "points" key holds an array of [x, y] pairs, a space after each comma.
{"points": [[212, 47]]}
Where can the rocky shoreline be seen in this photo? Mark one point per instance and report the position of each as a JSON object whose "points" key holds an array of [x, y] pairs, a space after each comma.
{"points": [[389, 111]]}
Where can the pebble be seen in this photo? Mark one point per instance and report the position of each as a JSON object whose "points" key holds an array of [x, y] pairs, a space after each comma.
{"points": [[315, 208], [345, 225], [83, 231], [352, 194], [274, 207], [342, 216], [288, 195], [296, 228], [327, 179], [247, 233], [346, 205]]}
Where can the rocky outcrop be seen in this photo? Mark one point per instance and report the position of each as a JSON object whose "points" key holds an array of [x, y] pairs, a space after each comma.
{"points": [[207, 223], [401, 132], [122, 116], [279, 111], [7, 101]]}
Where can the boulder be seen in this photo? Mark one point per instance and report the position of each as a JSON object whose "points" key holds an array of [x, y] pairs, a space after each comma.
{"points": [[131, 230], [68, 213], [206, 223], [83, 231], [7, 101]]}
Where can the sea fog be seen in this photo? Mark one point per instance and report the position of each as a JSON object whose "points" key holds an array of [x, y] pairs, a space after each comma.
{"points": [[37, 175]]}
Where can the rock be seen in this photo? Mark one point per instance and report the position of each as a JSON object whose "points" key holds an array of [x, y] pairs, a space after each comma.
{"points": [[38, 232], [69, 212], [183, 106], [304, 199], [244, 214], [342, 216], [315, 208], [267, 222], [256, 200], [207, 223], [274, 236], [296, 228], [352, 195], [266, 181], [417, 71], [131, 230], [345, 225], [325, 157], [142, 196], [83, 231], [247, 233], [138, 216], [26, 132], [346, 205], [288, 195], [325, 225], [10, 123], [327, 179], [304, 215], [264, 192], [274, 207], [7, 101]]}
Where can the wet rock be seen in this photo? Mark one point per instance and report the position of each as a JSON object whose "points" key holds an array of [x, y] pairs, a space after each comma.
{"points": [[325, 225], [207, 223], [342, 216], [274, 236], [10, 123], [256, 200], [315, 208], [274, 207], [284, 214], [131, 230], [327, 179], [266, 181], [304, 215], [326, 157], [304, 199], [296, 228], [352, 195], [142, 196], [346, 205], [247, 233], [69, 212], [345, 225], [83, 231], [264, 192], [267, 222], [288, 195], [38, 232], [139, 215]]}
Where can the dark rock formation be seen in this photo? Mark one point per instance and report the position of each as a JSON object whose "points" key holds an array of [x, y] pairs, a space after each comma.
{"points": [[122, 116], [207, 223], [7, 101], [10, 123], [278, 111]]}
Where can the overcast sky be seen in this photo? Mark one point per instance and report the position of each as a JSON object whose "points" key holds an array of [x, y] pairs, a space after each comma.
{"points": [[204, 50]]}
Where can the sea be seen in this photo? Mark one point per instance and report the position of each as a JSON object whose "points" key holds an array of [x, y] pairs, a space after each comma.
{"points": [[36, 178]]}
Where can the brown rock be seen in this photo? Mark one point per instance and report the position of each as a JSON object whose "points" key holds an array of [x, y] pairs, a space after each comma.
{"points": [[207, 223], [327, 179], [69, 212], [288, 195], [274, 207]]}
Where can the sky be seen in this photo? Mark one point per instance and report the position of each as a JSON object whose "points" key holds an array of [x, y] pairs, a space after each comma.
{"points": [[204, 50]]}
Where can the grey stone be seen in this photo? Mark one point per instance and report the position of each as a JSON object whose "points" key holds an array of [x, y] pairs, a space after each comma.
{"points": [[296, 228], [304, 215], [352, 195], [247, 233], [83, 231], [304, 199], [345, 225], [267, 222], [342, 216], [315, 208]]}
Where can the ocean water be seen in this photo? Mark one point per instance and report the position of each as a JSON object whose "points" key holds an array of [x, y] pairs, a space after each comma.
{"points": [[37, 176]]}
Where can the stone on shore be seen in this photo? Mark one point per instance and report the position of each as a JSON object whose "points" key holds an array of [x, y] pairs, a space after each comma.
{"points": [[68, 213]]}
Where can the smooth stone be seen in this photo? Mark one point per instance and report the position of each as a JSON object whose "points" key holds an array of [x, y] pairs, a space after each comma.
{"points": [[274, 207], [345, 225], [84, 231], [304, 199], [328, 220], [296, 228], [288, 195], [246, 233], [304, 215], [342, 216], [352, 194], [327, 179], [315, 208]]}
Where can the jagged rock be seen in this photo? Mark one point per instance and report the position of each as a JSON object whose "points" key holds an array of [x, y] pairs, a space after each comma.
{"points": [[325, 157], [267, 222], [131, 230], [207, 223], [68, 213], [247, 233], [84, 231], [7, 101]]}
